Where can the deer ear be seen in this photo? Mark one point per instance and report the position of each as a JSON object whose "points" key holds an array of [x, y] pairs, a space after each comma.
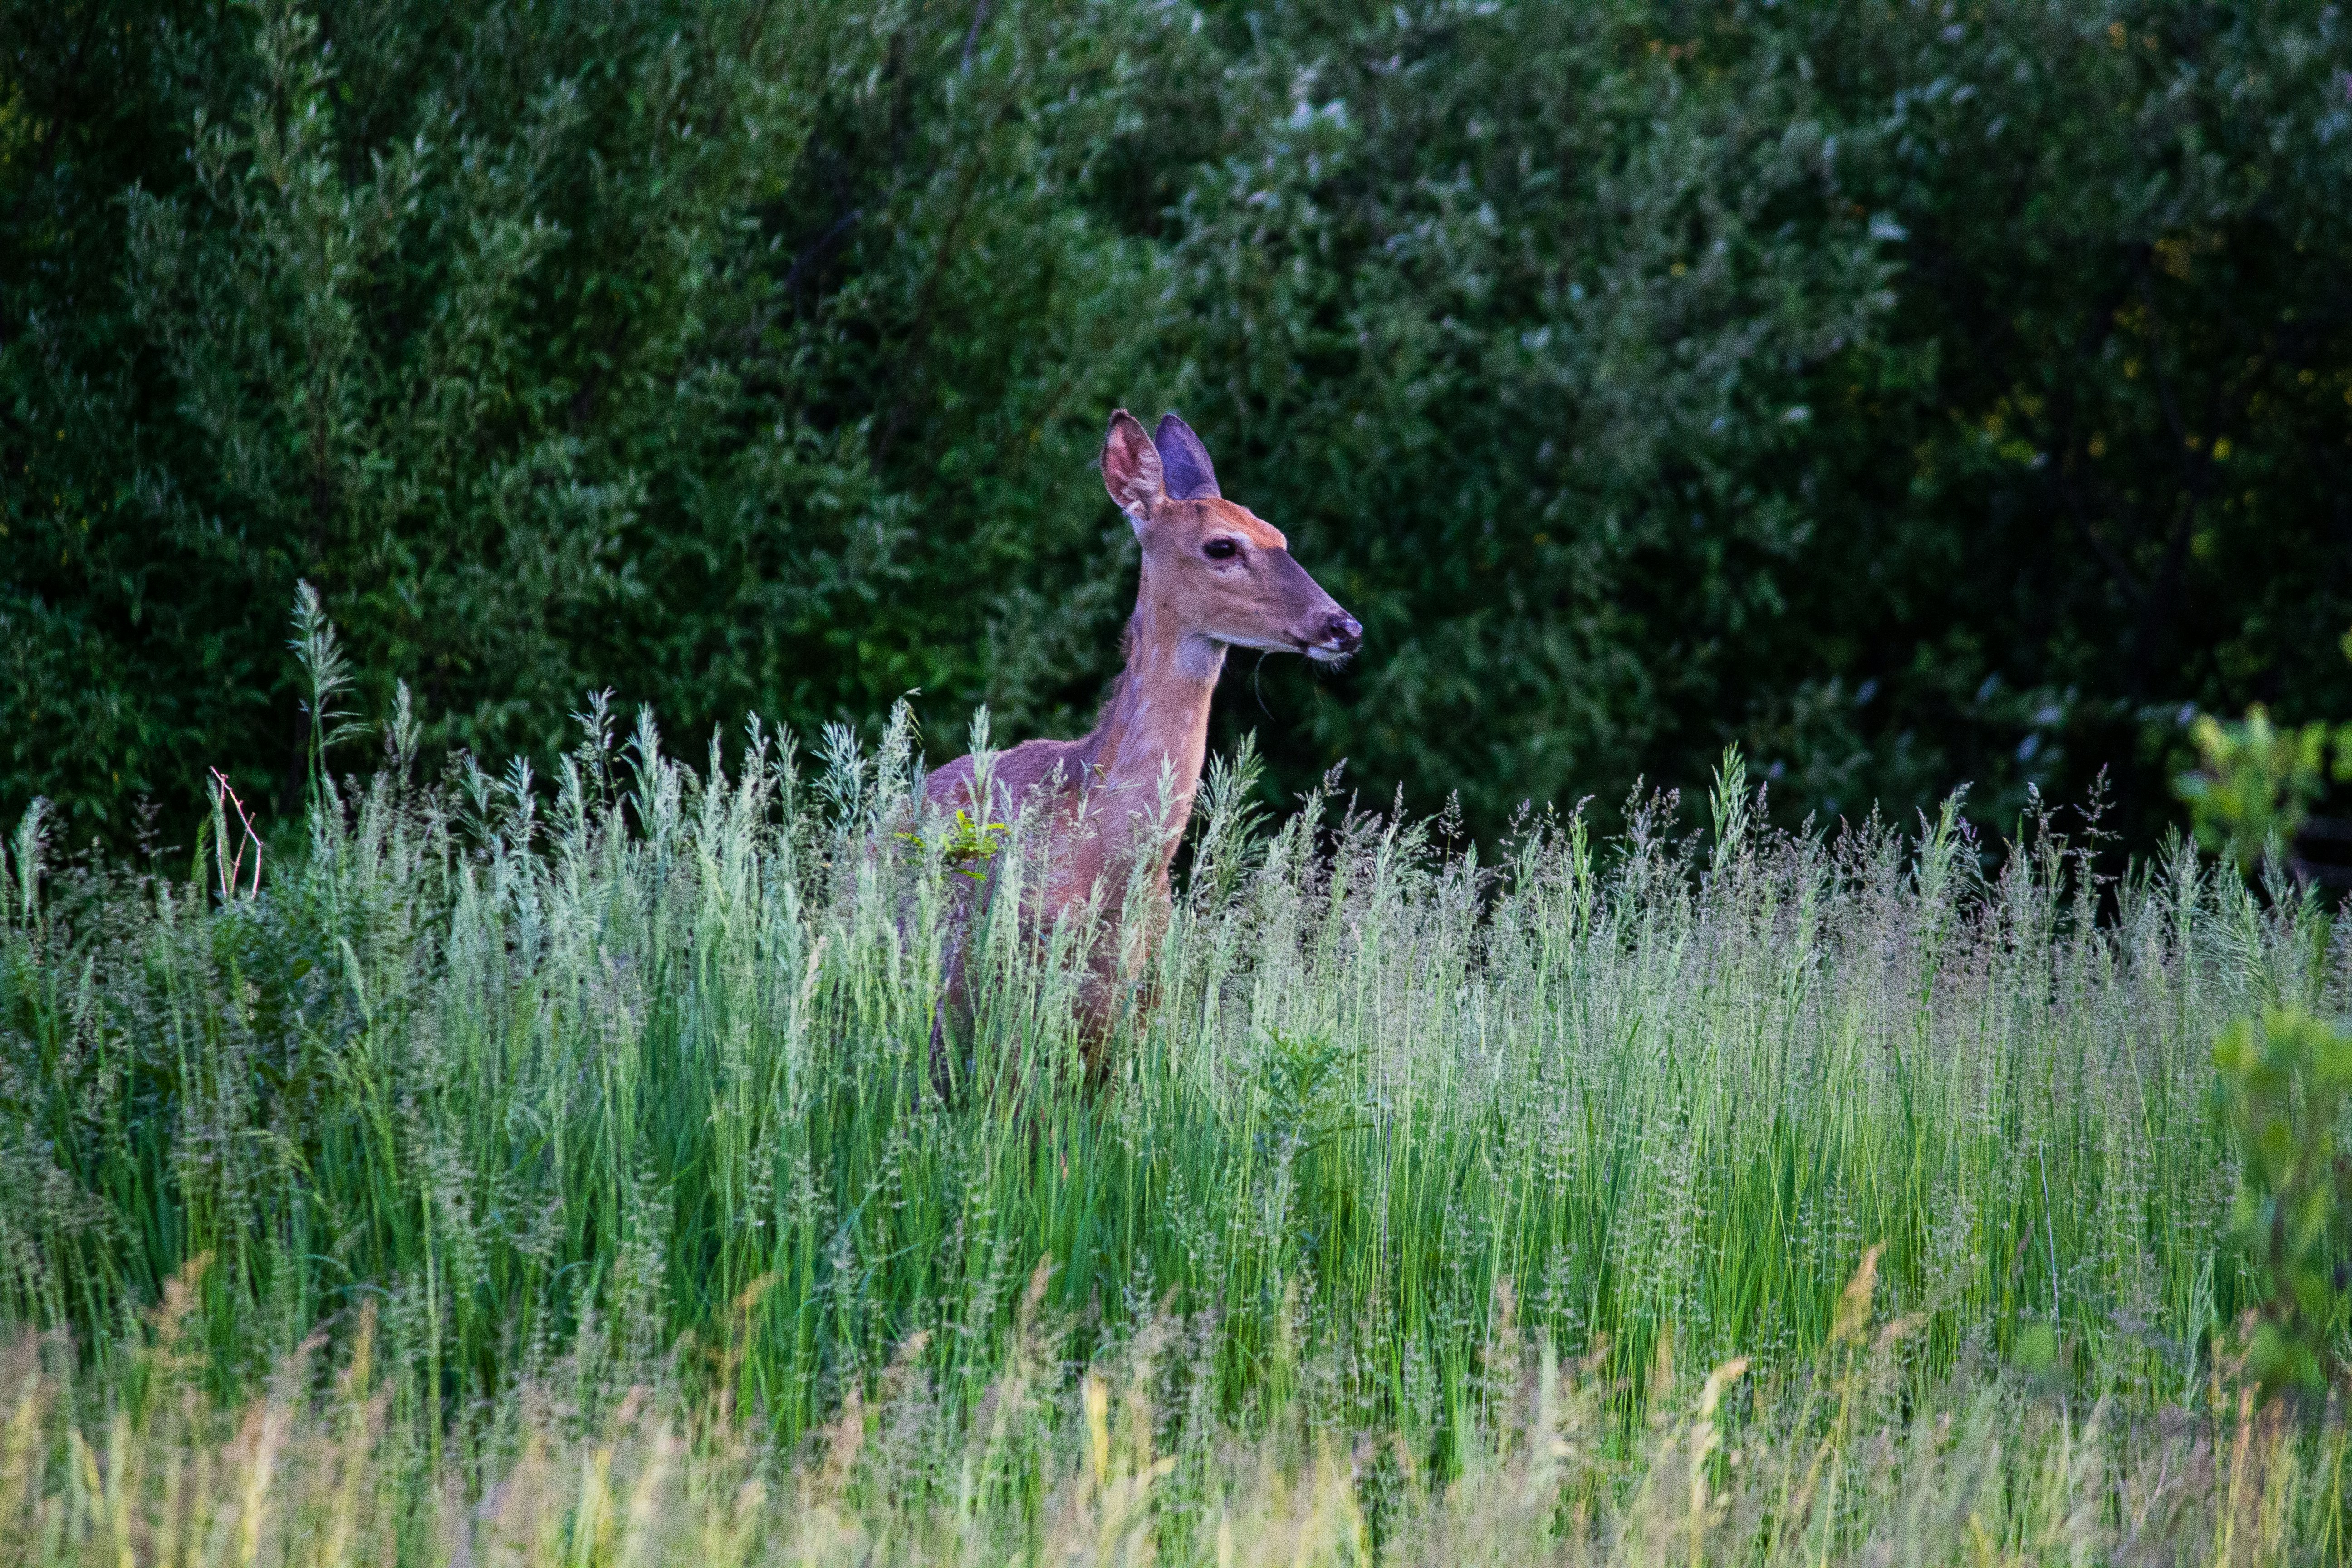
{"points": [[1190, 475], [1130, 466]]}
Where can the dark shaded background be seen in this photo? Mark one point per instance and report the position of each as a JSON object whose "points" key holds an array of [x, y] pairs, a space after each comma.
{"points": [[1912, 393]]}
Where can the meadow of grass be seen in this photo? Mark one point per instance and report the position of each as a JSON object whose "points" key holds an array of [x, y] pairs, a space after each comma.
{"points": [[563, 1171]]}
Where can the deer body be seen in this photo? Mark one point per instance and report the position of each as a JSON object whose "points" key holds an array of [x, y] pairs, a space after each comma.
{"points": [[1215, 577]]}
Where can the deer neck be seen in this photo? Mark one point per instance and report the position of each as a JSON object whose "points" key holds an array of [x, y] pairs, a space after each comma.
{"points": [[1158, 721]]}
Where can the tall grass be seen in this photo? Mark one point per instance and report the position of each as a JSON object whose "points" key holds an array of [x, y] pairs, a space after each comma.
{"points": [[550, 1092]]}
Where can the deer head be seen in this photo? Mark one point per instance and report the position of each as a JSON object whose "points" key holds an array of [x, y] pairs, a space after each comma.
{"points": [[1219, 570]]}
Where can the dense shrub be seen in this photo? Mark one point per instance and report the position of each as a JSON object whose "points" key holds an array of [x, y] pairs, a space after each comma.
{"points": [[1914, 392]]}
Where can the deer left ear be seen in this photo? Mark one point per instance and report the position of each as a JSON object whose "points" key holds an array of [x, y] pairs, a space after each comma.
{"points": [[1190, 475], [1131, 468]]}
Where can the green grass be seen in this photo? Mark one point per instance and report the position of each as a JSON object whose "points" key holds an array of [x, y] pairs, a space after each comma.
{"points": [[1418, 1208]]}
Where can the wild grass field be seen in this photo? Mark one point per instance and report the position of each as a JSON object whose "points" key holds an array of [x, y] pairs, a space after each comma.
{"points": [[554, 1171]]}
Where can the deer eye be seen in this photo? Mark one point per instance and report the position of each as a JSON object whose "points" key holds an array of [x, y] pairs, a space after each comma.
{"points": [[1221, 550]]}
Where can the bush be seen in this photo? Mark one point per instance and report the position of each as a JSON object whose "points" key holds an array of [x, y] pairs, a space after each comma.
{"points": [[2287, 1080], [1909, 397]]}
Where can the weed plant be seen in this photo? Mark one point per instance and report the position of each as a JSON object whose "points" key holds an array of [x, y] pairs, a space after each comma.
{"points": [[586, 1172]]}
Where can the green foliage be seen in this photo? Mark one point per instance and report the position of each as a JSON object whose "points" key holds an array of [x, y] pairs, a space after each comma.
{"points": [[966, 846], [1909, 397], [537, 1100], [328, 676], [2287, 1082], [2258, 781], [571, 1075], [536, 340]]}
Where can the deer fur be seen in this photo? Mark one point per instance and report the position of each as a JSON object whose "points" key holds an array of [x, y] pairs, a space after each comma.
{"points": [[1215, 577]]}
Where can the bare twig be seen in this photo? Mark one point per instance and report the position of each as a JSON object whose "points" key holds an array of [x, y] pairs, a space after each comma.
{"points": [[231, 871], [972, 39]]}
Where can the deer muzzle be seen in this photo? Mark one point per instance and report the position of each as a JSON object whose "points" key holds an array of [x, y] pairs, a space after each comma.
{"points": [[1342, 635]]}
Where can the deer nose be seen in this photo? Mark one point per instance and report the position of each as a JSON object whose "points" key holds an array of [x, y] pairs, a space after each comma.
{"points": [[1344, 630]]}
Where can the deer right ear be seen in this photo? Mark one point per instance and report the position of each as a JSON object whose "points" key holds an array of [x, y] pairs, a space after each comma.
{"points": [[1130, 466], [1189, 473]]}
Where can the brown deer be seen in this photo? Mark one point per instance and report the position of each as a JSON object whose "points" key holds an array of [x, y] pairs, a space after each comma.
{"points": [[1116, 800]]}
